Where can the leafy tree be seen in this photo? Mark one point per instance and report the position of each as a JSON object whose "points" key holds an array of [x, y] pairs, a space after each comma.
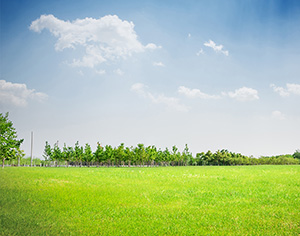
{"points": [[151, 154], [159, 157], [99, 154], [200, 159], [140, 153], [109, 154], [56, 153], [186, 155], [129, 154], [175, 155], [296, 154], [208, 157], [68, 154], [19, 154], [47, 152], [78, 153], [88, 154], [8, 139], [119, 154], [166, 157]]}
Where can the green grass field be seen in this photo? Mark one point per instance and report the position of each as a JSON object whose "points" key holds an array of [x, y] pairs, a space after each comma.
{"points": [[233, 200]]}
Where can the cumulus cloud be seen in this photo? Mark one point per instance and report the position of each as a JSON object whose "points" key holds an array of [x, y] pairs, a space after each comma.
{"points": [[193, 93], [119, 72], [18, 94], [285, 92], [100, 72], [293, 88], [278, 115], [159, 64], [216, 48], [104, 39], [152, 46], [243, 94], [170, 102], [139, 88], [200, 52]]}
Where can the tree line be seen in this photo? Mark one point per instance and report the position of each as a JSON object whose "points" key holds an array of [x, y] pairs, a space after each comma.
{"points": [[107, 155], [142, 155]]}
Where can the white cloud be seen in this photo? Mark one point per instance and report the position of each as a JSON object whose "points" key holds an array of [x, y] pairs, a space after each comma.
{"points": [[243, 94], [200, 52], [282, 92], [152, 46], [119, 72], [158, 64], [92, 57], [170, 102], [193, 93], [285, 92], [18, 94], [189, 35], [106, 38], [100, 72], [293, 88], [216, 48], [278, 115], [139, 88]]}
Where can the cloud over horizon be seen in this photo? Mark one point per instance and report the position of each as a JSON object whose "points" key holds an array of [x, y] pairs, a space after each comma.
{"points": [[285, 92], [278, 115], [193, 93], [159, 64], [243, 94], [18, 94], [171, 102]]}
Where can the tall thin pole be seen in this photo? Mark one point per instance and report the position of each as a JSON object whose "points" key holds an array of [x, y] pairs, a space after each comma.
{"points": [[31, 148]]}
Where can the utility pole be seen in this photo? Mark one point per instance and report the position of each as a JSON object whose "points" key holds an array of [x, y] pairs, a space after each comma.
{"points": [[31, 148]]}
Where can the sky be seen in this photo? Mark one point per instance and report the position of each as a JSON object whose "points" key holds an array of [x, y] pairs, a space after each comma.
{"points": [[211, 74]]}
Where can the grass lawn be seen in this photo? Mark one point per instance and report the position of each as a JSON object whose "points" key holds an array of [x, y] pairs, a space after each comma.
{"points": [[233, 200]]}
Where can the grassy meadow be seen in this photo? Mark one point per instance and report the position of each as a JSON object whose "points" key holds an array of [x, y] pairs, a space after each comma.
{"points": [[206, 200]]}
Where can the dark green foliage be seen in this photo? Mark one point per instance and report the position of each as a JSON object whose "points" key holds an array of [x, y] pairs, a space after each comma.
{"points": [[9, 144], [296, 154], [88, 154], [150, 156], [47, 152]]}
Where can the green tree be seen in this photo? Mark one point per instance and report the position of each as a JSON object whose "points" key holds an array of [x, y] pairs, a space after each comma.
{"points": [[174, 156], [78, 153], [8, 139], [166, 157], [19, 155], [140, 153], [56, 153], [129, 154], [151, 154], [186, 156], [296, 154], [109, 154], [120, 154], [68, 154], [47, 152], [88, 154], [99, 154]]}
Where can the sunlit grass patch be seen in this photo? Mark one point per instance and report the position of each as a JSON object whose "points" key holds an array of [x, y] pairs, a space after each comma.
{"points": [[233, 200]]}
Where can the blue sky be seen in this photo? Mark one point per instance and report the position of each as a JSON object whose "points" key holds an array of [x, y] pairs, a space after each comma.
{"points": [[212, 74]]}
